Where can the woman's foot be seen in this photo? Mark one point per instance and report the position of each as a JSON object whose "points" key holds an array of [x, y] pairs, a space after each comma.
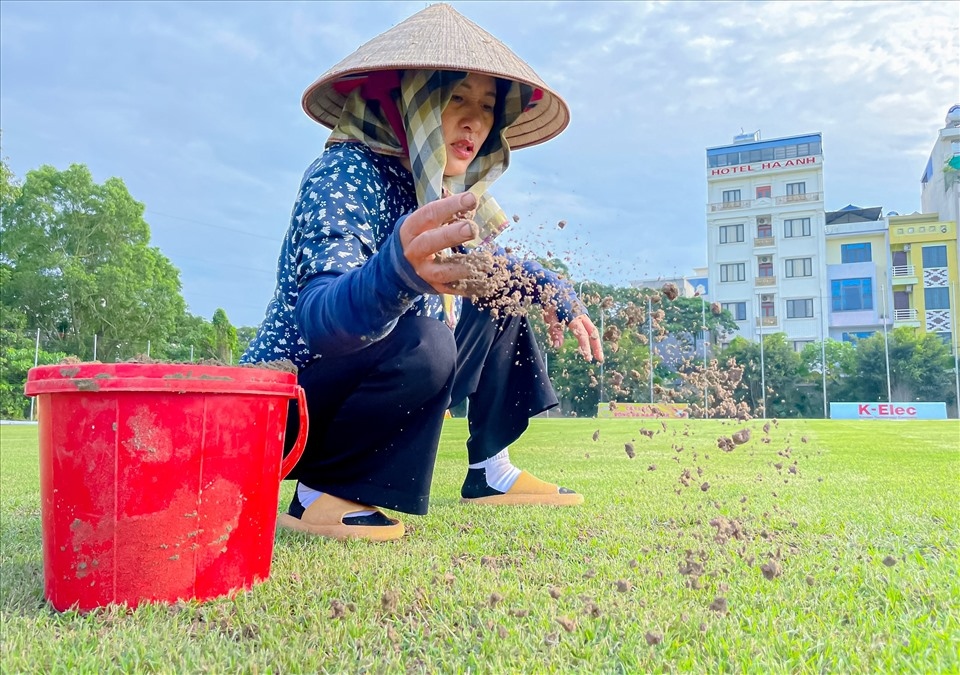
{"points": [[335, 518], [526, 489]]}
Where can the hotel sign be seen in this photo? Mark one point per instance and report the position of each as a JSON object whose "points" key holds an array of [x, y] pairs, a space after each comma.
{"points": [[756, 167]]}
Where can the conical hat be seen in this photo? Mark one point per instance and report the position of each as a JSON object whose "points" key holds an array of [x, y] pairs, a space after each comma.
{"points": [[440, 38]]}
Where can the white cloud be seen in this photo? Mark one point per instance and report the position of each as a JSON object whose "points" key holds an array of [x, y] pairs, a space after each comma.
{"points": [[198, 110]]}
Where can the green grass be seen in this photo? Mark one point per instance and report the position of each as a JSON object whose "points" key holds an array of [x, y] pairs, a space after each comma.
{"points": [[863, 491]]}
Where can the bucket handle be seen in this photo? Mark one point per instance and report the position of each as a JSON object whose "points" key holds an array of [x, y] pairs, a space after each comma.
{"points": [[296, 452]]}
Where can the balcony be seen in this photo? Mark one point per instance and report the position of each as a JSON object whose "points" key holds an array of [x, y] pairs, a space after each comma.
{"points": [[796, 199], [906, 317], [903, 274], [765, 281], [760, 242], [766, 321], [728, 206]]}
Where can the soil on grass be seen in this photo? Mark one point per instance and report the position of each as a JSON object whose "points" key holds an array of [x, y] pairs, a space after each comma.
{"points": [[771, 569], [719, 605]]}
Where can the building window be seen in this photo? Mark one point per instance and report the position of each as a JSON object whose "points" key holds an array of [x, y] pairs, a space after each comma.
{"points": [[934, 256], [936, 298], [796, 188], [800, 309], [796, 227], [765, 269], [730, 196], [730, 234], [738, 310], [851, 295], [763, 192], [764, 230], [799, 267], [767, 308], [947, 338], [733, 272], [798, 345], [764, 154], [854, 253]]}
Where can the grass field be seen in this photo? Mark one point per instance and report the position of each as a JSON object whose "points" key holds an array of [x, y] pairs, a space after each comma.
{"points": [[844, 558]]}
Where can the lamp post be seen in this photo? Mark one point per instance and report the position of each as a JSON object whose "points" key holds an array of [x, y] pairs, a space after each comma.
{"points": [[601, 363], [823, 355], [886, 344], [763, 374], [956, 343], [703, 328], [650, 342], [36, 360]]}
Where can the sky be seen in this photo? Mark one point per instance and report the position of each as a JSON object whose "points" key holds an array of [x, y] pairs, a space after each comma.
{"points": [[196, 106]]}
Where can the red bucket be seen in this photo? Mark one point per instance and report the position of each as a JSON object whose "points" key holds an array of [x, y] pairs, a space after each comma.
{"points": [[159, 482]]}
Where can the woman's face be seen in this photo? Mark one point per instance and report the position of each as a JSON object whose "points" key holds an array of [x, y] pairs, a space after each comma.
{"points": [[467, 121]]}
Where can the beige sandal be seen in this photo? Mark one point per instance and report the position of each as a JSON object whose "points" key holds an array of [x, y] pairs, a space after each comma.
{"points": [[324, 518], [530, 490]]}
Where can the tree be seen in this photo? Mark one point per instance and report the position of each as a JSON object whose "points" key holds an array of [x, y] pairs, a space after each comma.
{"points": [[840, 364], [77, 263], [224, 337], [191, 340], [245, 335], [684, 318], [17, 351], [921, 368], [782, 374]]}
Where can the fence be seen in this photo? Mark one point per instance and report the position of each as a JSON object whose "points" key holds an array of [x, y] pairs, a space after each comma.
{"points": [[21, 350]]}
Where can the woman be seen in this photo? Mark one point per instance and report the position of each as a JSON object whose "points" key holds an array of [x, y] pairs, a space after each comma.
{"points": [[429, 107]]}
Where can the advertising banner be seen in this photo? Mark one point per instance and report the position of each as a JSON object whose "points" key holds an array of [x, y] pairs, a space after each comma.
{"points": [[649, 410], [888, 411]]}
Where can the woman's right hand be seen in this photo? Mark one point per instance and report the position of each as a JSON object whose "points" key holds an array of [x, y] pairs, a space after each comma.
{"points": [[427, 233]]}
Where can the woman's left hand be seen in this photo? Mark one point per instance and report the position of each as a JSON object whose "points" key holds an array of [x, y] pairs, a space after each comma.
{"points": [[589, 343]]}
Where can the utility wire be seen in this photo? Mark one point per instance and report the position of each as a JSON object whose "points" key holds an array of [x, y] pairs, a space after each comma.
{"points": [[220, 263], [216, 227]]}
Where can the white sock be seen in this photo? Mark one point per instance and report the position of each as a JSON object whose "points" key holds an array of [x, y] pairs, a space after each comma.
{"points": [[308, 496], [501, 474]]}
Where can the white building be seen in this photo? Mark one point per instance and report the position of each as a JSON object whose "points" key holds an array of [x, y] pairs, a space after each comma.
{"points": [[940, 183], [765, 235]]}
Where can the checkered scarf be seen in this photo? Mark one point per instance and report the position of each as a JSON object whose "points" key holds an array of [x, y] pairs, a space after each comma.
{"points": [[381, 103]]}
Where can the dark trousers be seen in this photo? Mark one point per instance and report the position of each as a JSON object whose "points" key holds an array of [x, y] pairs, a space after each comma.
{"points": [[376, 415]]}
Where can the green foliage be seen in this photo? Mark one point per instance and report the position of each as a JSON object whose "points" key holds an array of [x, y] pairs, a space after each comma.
{"points": [[77, 263], [245, 335], [921, 368], [224, 337], [840, 361], [781, 375], [17, 351], [685, 319]]}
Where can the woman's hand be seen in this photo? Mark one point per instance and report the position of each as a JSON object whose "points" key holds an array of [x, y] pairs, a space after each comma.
{"points": [[431, 230], [588, 337]]}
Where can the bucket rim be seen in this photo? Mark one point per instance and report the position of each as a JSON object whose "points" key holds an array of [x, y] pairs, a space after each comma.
{"points": [[170, 377]]}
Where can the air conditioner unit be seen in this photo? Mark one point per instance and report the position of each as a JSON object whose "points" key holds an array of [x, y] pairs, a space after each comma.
{"points": [[906, 247], [764, 258], [908, 288], [763, 220], [766, 298]]}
